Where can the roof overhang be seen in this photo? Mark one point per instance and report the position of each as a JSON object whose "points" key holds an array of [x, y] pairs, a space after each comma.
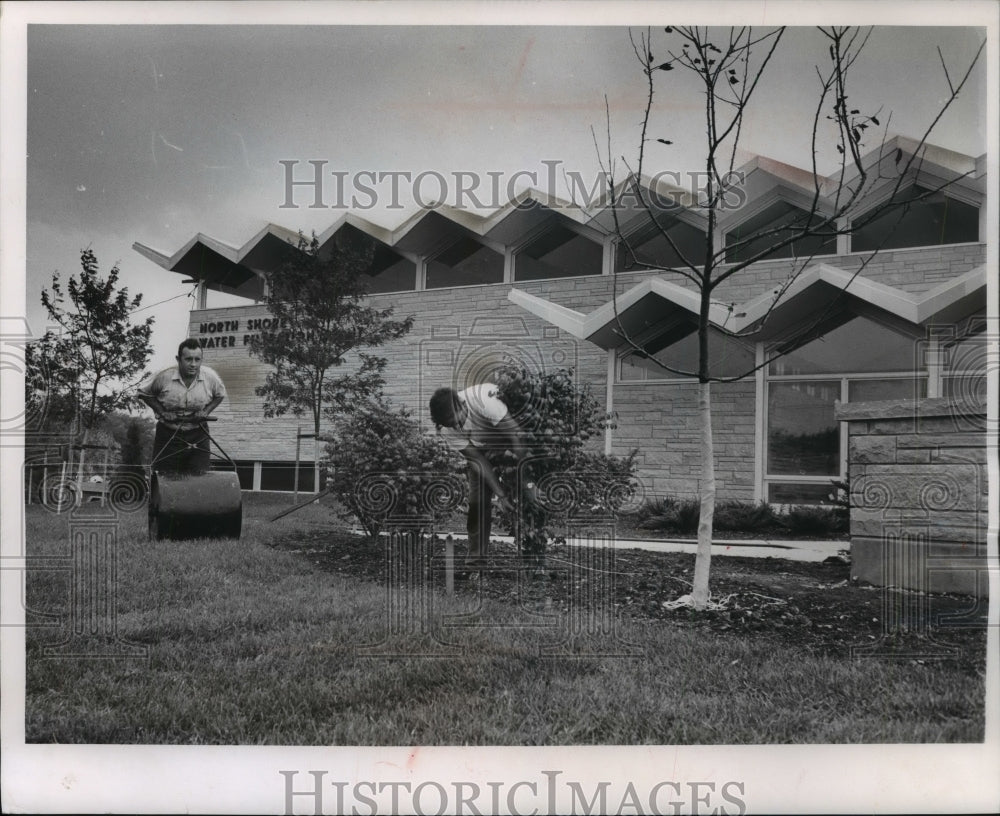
{"points": [[216, 265], [656, 312]]}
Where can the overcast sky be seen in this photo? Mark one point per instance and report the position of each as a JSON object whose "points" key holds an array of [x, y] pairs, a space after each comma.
{"points": [[154, 133]]}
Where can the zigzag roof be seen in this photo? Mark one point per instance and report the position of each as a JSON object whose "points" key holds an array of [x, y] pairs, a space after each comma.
{"points": [[229, 268], [657, 312]]}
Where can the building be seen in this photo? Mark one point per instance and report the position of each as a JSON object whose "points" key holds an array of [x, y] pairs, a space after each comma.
{"points": [[534, 282]]}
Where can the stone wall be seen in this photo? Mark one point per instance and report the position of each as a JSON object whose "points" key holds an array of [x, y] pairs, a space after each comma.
{"points": [[660, 419], [467, 327], [918, 493]]}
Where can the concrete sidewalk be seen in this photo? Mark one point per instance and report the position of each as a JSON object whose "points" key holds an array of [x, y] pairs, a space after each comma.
{"points": [[747, 548], [752, 548]]}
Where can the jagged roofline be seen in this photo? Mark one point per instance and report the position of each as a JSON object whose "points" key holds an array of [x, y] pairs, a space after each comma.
{"points": [[799, 183], [935, 159], [598, 325], [478, 225]]}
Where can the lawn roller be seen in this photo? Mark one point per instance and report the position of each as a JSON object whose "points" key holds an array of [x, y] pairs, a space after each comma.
{"points": [[195, 505]]}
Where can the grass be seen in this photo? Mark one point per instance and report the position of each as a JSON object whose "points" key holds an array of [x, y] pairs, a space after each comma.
{"points": [[247, 644]]}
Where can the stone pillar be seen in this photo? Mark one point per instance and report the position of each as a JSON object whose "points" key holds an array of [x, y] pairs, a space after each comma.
{"points": [[918, 482]]}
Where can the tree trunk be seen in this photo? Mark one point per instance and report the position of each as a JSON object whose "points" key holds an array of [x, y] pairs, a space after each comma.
{"points": [[316, 454], [703, 560], [79, 470]]}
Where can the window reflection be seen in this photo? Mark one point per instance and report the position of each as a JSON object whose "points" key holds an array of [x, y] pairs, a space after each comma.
{"points": [[778, 222], [464, 263], [803, 437], [965, 367], [728, 357], [650, 247], [858, 346], [930, 221], [558, 253]]}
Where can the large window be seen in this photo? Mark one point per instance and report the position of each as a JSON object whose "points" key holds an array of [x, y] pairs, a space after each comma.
{"points": [[390, 272], [860, 361], [859, 345], [728, 357], [273, 475], [779, 221], [559, 252], [281, 476], [929, 219], [802, 436], [649, 247], [465, 263], [244, 471]]}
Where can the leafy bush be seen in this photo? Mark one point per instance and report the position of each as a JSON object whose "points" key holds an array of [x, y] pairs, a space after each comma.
{"points": [[381, 465], [745, 517], [558, 417], [841, 495], [681, 516], [806, 520], [675, 515]]}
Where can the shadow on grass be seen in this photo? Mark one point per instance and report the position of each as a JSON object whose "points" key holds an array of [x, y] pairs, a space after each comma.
{"points": [[249, 644]]}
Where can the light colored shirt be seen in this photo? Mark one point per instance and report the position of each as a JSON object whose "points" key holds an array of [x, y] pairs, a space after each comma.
{"points": [[174, 395], [486, 409]]}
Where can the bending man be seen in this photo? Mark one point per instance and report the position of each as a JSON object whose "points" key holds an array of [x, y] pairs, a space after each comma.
{"points": [[181, 398], [476, 422]]}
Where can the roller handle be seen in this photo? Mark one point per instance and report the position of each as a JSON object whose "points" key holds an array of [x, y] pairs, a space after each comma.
{"points": [[190, 417]]}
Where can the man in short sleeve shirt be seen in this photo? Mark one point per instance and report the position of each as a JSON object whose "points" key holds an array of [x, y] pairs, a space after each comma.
{"points": [[182, 397], [474, 421]]}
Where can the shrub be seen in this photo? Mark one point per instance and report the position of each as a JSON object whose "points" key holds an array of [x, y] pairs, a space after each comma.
{"points": [[558, 417], [647, 510], [675, 515], [841, 495], [682, 515], [808, 520], [381, 464], [745, 517], [383, 448]]}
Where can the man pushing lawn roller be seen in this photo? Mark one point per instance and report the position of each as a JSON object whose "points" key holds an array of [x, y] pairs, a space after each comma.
{"points": [[186, 499], [476, 423], [182, 398]]}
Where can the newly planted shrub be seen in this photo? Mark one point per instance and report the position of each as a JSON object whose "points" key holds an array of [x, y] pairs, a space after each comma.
{"points": [[382, 466], [558, 417]]}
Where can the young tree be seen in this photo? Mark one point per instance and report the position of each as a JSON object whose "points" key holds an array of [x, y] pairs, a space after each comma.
{"points": [[727, 67], [91, 365], [132, 434], [317, 297]]}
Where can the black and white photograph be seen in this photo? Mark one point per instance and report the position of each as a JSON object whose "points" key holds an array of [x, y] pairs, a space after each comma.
{"points": [[491, 407]]}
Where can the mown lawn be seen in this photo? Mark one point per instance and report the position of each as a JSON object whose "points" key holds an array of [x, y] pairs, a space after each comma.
{"points": [[247, 643]]}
